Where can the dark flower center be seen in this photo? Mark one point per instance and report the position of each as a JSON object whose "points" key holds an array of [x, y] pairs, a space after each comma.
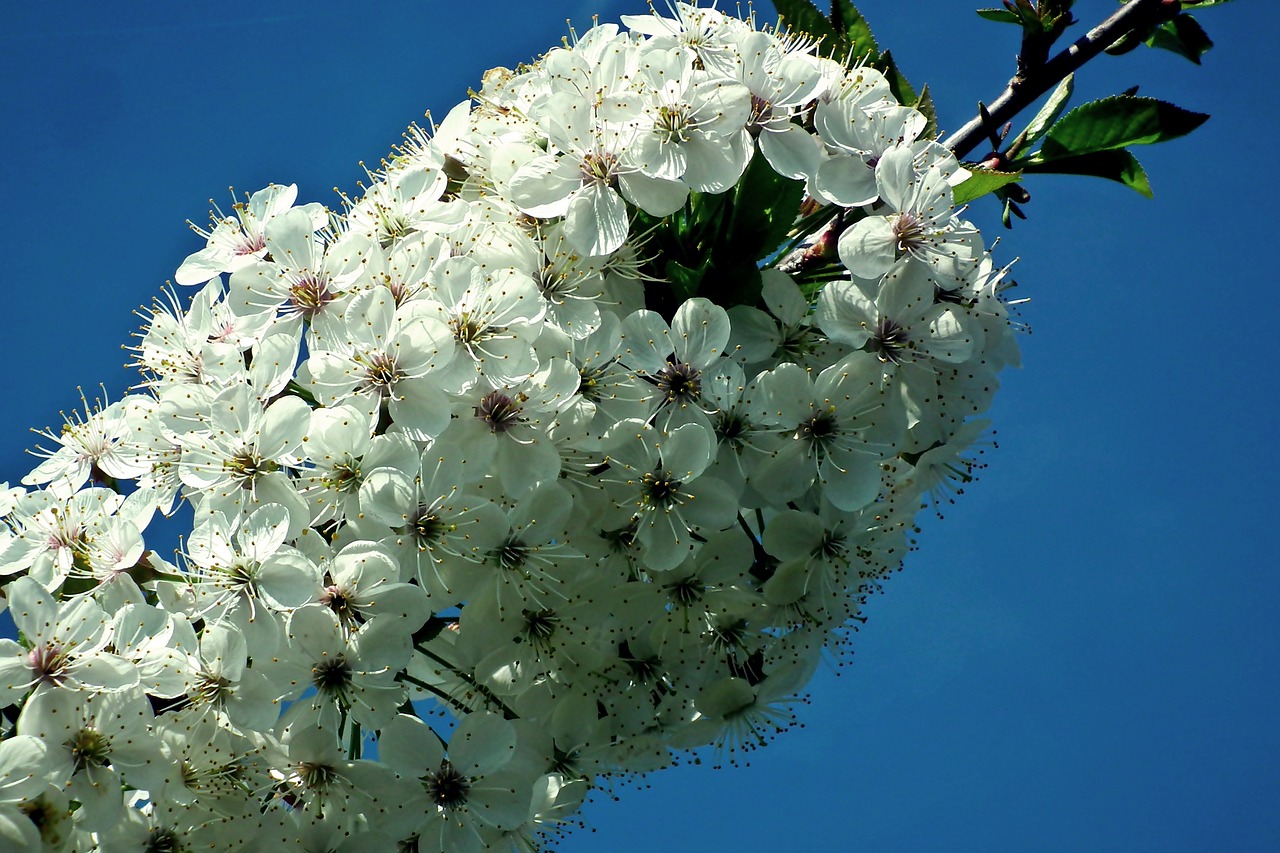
{"points": [[682, 383], [686, 591], [345, 477], [673, 122], [908, 230], [49, 663], [381, 373], [331, 675], [426, 527], [247, 466], [88, 747], [889, 341], [310, 294], [761, 114], [161, 840], [659, 488], [339, 601], [540, 625], [600, 168], [512, 555], [818, 429], [499, 411], [447, 787], [730, 427]]}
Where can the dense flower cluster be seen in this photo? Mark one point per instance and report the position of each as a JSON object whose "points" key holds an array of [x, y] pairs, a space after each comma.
{"points": [[470, 446]]}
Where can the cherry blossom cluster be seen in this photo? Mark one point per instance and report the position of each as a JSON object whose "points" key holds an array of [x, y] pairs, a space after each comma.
{"points": [[487, 511]]}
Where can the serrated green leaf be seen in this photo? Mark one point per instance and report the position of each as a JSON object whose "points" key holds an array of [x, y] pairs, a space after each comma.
{"points": [[1117, 122], [1183, 36], [1202, 4], [856, 32], [982, 181], [685, 281], [1115, 165], [764, 207], [1047, 115], [924, 104], [802, 16], [898, 83], [1003, 16]]}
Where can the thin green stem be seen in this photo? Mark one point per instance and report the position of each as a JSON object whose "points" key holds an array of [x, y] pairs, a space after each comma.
{"points": [[356, 742], [470, 681], [433, 690]]}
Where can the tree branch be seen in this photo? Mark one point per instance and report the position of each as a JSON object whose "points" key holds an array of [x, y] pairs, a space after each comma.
{"points": [[1032, 81]]}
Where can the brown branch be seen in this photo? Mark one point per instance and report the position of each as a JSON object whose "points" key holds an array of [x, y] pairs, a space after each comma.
{"points": [[1033, 81]]}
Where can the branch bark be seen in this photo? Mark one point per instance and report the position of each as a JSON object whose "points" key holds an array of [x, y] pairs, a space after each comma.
{"points": [[1033, 81]]}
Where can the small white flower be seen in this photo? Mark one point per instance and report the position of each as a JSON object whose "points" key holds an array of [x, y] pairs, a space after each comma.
{"points": [[238, 240]]}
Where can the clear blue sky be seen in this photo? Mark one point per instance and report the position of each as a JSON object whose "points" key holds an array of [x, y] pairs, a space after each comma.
{"points": [[1081, 656]]}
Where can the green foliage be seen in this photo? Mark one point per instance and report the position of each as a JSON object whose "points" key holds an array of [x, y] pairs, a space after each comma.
{"points": [[1116, 122], [1044, 17], [898, 83], [847, 20], [1003, 16], [981, 182], [924, 104], [713, 246], [763, 209], [1044, 119], [846, 36], [1093, 139], [686, 280], [1116, 165], [1183, 36], [803, 16]]}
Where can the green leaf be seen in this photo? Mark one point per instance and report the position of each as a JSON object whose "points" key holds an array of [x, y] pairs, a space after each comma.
{"points": [[898, 83], [1115, 165], [1201, 4], [1028, 15], [685, 281], [1117, 122], [1183, 36], [765, 206], [753, 223], [924, 104], [802, 16], [849, 23], [1048, 114], [1004, 16], [983, 181]]}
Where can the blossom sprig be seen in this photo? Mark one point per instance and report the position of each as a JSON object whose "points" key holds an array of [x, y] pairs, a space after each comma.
{"points": [[538, 463]]}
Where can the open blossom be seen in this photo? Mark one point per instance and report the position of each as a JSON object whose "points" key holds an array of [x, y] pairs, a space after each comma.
{"points": [[590, 182], [920, 225], [98, 444], [64, 646], [383, 352], [674, 358], [657, 481], [692, 126], [237, 240], [485, 484], [834, 428]]}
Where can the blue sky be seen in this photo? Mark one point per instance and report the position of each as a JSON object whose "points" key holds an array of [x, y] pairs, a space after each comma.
{"points": [[1080, 656]]}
